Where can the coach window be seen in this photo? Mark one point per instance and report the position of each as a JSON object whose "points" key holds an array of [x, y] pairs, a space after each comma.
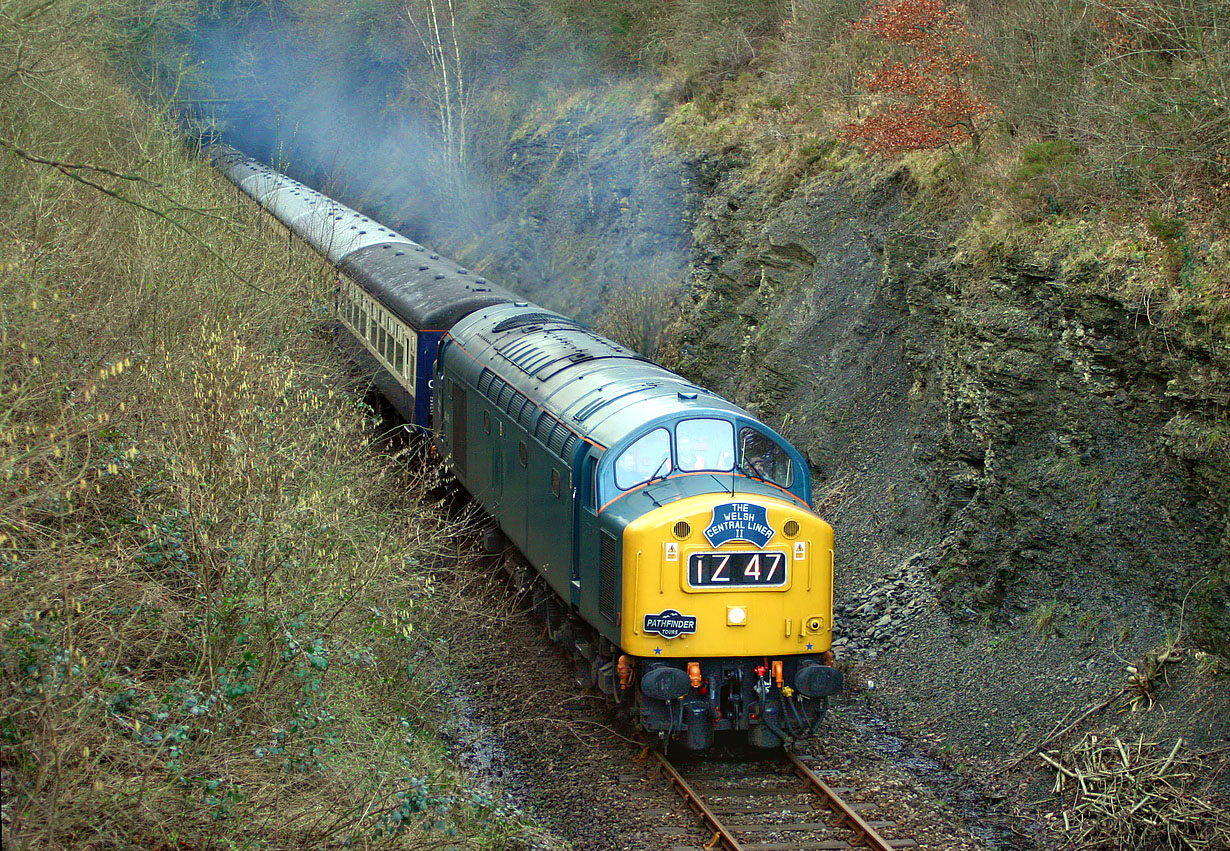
{"points": [[521, 453], [648, 458], [705, 445], [762, 457], [555, 482]]}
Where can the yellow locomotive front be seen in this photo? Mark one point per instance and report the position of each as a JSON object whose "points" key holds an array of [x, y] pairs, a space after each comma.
{"points": [[727, 616]]}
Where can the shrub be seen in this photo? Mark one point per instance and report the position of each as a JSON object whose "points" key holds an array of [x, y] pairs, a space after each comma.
{"points": [[939, 107], [636, 316], [209, 582]]}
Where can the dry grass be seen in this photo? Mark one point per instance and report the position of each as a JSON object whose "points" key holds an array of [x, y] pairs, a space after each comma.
{"points": [[1099, 171], [208, 577]]}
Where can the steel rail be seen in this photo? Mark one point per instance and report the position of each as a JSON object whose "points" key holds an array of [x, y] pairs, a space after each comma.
{"points": [[847, 818], [721, 834], [864, 833]]}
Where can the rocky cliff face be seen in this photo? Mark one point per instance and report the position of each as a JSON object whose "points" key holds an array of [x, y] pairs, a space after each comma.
{"points": [[1079, 456], [594, 205], [1051, 442], [1012, 459], [1018, 466]]}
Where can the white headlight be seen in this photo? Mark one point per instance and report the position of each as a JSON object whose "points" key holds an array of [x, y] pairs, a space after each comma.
{"points": [[736, 615]]}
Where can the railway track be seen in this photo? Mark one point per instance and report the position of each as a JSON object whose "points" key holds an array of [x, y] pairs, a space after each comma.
{"points": [[770, 804]]}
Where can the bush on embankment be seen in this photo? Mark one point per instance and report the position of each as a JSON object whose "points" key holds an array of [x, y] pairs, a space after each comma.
{"points": [[207, 574]]}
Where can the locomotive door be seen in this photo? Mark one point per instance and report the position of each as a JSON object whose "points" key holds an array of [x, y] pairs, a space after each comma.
{"points": [[497, 477], [460, 447], [585, 534]]}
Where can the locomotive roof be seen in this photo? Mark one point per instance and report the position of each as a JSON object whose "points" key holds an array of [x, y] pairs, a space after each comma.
{"points": [[599, 389]]}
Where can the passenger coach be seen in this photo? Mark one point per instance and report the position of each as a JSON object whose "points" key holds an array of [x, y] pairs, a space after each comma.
{"points": [[396, 299]]}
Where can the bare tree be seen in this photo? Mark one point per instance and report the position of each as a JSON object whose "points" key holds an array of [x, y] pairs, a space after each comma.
{"points": [[636, 315], [435, 24]]}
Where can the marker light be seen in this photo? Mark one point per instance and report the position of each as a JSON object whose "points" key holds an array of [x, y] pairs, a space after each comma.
{"points": [[736, 616]]}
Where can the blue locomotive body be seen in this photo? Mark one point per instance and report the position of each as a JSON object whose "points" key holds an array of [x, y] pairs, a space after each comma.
{"points": [[666, 531]]}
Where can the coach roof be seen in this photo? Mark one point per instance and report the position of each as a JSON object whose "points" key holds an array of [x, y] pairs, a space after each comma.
{"points": [[424, 289]]}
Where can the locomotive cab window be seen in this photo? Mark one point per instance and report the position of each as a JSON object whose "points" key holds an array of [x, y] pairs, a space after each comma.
{"points": [[705, 444], [647, 458], [762, 457]]}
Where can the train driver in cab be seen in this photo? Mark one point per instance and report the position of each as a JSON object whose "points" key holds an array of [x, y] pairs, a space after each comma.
{"points": [[648, 458], [706, 444]]}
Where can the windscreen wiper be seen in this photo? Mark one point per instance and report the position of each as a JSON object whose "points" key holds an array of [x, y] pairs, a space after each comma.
{"points": [[657, 474], [756, 466]]}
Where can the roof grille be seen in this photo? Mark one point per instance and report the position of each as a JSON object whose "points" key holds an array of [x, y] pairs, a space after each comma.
{"points": [[534, 319]]}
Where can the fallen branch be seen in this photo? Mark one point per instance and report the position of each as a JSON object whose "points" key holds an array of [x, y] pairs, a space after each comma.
{"points": [[1055, 735], [1127, 796]]}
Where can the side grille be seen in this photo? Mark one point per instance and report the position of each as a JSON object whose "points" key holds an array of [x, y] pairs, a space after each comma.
{"points": [[607, 576], [559, 435], [484, 382], [549, 430], [526, 417], [545, 422]]}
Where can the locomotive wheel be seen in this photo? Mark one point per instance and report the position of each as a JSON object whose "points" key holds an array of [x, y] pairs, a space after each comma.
{"points": [[494, 541]]}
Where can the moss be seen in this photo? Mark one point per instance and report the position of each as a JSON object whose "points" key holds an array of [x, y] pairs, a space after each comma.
{"points": [[1048, 156], [1165, 228], [1211, 624]]}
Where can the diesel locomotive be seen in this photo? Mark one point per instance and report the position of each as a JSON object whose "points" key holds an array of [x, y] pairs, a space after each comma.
{"points": [[666, 532]]}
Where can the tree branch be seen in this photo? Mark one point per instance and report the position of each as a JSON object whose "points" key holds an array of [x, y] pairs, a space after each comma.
{"points": [[73, 172]]}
